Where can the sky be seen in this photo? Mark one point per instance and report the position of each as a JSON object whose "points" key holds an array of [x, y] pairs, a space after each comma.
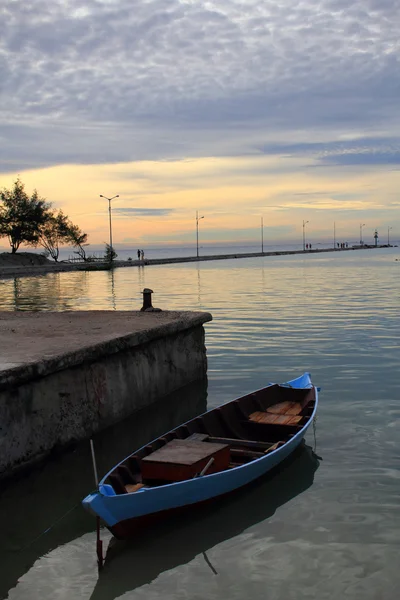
{"points": [[240, 109]]}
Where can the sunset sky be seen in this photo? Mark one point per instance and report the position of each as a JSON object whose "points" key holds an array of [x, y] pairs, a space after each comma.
{"points": [[239, 109]]}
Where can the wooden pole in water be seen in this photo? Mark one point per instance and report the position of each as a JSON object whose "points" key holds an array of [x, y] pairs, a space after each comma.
{"points": [[96, 479], [99, 546], [99, 542]]}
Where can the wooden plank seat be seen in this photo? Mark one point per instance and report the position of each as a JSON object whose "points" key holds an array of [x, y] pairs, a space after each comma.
{"points": [[285, 408], [261, 447], [274, 419], [255, 445]]}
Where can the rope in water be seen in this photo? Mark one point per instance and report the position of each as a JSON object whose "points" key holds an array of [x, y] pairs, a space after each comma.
{"points": [[50, 527]]}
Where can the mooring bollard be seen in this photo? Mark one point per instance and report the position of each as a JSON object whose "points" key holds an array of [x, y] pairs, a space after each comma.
{"points": [[147, 305], [147, 299]]}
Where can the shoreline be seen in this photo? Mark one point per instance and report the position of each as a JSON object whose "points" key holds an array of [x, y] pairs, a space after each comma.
{"points": [[62, 267]]}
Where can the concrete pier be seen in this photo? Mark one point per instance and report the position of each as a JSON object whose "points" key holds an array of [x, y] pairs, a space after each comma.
{"points": [[25, 270], [65, 376]]}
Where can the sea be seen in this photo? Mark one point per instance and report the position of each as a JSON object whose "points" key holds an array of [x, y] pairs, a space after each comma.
{"points": [[325, 526]]}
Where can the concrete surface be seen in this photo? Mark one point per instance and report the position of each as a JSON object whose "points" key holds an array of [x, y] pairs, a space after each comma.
{"points": [[64, 376]]}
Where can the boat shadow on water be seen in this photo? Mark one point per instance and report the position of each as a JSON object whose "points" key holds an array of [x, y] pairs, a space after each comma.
{"points": [[132, 564]]}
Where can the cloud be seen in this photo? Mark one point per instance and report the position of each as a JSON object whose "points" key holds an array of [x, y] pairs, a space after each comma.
{"points": [[364, 158], [123, 80], [142, 212]]}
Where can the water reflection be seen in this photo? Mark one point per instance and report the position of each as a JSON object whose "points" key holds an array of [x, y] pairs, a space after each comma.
{"points": [[273, 318], [35, 502], [48, 292], [112, 290], [132, 564], [70, 571], [198, 285]]}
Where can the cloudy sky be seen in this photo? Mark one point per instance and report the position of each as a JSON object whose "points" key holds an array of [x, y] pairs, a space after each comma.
{"points": [[240, 109]]}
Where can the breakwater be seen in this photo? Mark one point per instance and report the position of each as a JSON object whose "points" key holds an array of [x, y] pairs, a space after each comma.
{"points": [[65, 376], [16, 270]]}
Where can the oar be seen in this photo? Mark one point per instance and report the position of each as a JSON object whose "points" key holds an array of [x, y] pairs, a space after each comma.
{"points": [[205, 469]]}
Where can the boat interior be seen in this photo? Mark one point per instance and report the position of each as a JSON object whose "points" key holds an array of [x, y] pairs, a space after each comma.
{"points": [[233, 434]]}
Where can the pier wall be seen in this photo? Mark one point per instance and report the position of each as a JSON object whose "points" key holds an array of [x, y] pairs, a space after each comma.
{"points": [[48, 404]]}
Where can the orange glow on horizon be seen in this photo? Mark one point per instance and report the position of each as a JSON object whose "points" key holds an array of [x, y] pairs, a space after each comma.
{"points": [[232, 193]]}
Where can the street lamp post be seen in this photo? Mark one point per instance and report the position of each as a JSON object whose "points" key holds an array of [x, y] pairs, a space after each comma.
{"points": [[109, 214], [361, 240], [389, 228], [262, 235], [197, 232], [304, 234]]}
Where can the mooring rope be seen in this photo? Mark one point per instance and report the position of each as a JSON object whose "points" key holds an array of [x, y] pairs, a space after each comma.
{"points": [[49, 528]]}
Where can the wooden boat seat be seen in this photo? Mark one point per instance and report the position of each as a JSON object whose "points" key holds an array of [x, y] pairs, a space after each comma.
{"points": [[255, 445], [275, 418], [285, 408]]}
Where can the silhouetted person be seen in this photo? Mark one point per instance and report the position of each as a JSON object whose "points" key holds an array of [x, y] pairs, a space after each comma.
{"points": [[138, 254]]}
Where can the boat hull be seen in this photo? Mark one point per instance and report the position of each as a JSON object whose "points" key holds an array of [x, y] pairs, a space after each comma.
{"points": [[125, 514], [130, 527]]}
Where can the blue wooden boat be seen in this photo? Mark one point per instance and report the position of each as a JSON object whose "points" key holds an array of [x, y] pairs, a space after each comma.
{"points": [[205, 458]]}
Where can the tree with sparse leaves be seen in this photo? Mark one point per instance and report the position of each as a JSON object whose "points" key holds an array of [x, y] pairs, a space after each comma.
{"points": [[21, 215], [55, 231], [110, 253], [79, 240]]}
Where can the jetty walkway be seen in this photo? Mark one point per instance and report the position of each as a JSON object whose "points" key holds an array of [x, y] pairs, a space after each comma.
{"points": [[16, 270]]}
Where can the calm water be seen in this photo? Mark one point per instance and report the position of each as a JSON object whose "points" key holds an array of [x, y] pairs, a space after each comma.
{"points": [[326, 528]]}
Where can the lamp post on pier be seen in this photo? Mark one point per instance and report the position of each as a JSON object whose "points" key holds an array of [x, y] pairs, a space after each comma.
{"points": [[197, 232], [109, 214], [262, 235], [304, 234], [361, 239]]}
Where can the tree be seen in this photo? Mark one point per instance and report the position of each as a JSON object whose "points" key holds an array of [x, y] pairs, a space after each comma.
{"points": [[110, 253], [21, 216], [78, 240], [55, 231]]}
